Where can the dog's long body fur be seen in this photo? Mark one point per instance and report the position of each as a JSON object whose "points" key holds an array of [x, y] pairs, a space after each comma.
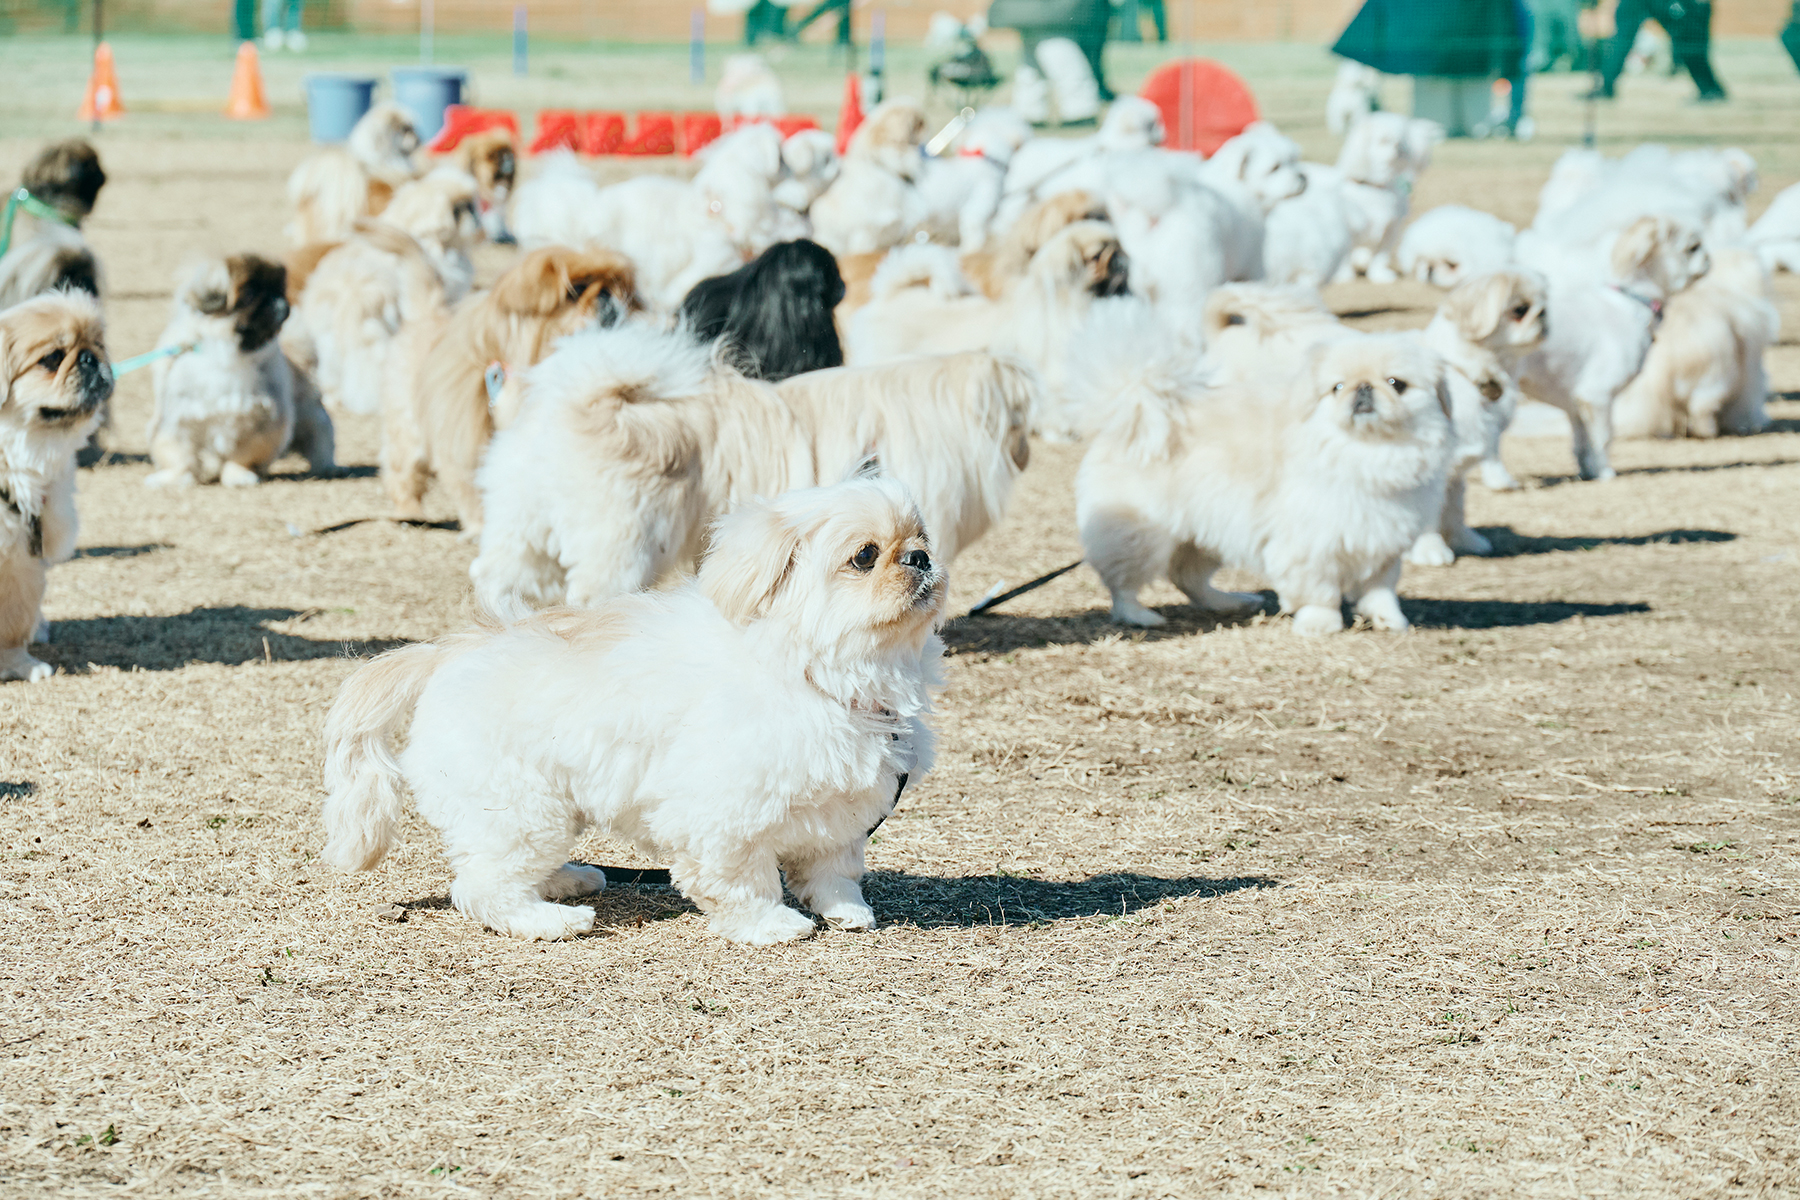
{"points": [[54, 382], [1300, 486], [630, 442], [49, 255], [761, 719]]}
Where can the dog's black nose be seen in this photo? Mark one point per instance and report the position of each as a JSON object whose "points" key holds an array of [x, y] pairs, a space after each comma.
{"points": [[95, 375], [918, 560], [1365, 400]]}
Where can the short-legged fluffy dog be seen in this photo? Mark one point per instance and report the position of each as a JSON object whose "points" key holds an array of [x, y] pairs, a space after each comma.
{"points": [[1319, 482], [231, 403], [760, 719], [54, 378]]}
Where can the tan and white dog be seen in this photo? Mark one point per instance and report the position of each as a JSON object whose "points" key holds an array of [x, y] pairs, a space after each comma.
{"points": [[758, 721], [54, 382]]}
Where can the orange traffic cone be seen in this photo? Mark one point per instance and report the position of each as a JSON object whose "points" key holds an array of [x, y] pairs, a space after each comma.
{"points": [[247, 101], [102, 103], [850, 115]]}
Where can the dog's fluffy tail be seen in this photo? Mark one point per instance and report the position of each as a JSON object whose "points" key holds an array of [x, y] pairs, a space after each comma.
{"points": [[363, 811], [1134, 384], [921, 264]]}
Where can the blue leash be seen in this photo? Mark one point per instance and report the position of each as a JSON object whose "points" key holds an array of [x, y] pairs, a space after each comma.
{"points": [[21, 198], [143, 360]]}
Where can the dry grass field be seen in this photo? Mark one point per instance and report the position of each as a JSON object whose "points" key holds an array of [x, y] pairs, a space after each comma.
{"points": [[1503, 907]]}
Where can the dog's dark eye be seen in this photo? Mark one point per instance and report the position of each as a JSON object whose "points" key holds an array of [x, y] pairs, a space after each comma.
{"points": [[1520, 313], [866, 557], [1399, 386], [52, 361]]}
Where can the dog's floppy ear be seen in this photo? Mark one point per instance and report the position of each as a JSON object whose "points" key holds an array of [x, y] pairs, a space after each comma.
{"points": [[1420, 136], [750, 557], [1476, 305], [1632, 251], [536, 285]]}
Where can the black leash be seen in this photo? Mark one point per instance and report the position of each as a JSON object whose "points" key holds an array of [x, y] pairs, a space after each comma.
{"points": [[993, 602]]}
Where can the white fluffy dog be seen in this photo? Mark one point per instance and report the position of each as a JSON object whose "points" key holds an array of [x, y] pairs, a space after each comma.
{"points": [[1046, 166], [1255, 330], [631, 441], [809, 163], [335, 187], [1481, 330], [922, 304], [1354, 94], [960, 190], [1776, 234], [1363, 199], [1450, 243], [231, 404], [1600, 332], [1588, 198], [1704, 374], [54, 383], [676, 232], [1319, 481], [349, 311], [874, 202], [760, 720], [749, 87]]}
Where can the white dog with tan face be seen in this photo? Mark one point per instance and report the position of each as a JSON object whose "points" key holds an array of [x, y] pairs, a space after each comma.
{"points": [[1319, 482], [760, 719]]}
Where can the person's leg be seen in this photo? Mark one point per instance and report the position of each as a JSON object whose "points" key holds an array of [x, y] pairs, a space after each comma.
{"points": [[1160, 14], [1627, 20], [244, 19], [1691, 39], [1790, 36]]}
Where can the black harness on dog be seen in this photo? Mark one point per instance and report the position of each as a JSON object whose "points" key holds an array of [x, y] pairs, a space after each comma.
{"points": [[34, 525]]}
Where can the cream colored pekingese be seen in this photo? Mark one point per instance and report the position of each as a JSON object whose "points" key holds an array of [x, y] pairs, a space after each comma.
{"points": [[439, 407], [631, 441], [337, 186], [1482, 330], [1318, 482], [54, 381], [1704, 374], [229, 402], [761, 719]]}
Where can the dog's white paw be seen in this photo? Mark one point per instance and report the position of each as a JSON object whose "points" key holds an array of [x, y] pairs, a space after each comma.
{"points": [[547, 922], [17, 664], [1130, 612], [573, 879], [763, 926], [1382, 273], [1496, 478], [1431, 550], [1382, 608], [236, 475], [848, 915], [1316, 620], [170, 478]]}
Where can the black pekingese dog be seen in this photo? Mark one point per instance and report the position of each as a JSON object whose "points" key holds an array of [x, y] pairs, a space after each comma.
{"points": [[774, 313]]}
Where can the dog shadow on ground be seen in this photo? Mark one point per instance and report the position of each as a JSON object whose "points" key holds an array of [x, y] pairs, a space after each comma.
{"points": [[1687, 469], [988, 636], [231, 634], [121, 551], [1508, 544], [634, 896], [17, 789]]}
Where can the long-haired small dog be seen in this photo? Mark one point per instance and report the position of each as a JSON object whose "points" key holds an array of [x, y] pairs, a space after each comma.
{"points": [[438, 421], [54, 381], [230, 403], [1253, 330], [349, 309], [922, 304], [492, 159], [874, 202], [760, 720], [631, 441], [1450, 243], [334, 188], [48, 255], [1704, 374], [1600, 332], [1484, 327], [773, 315], [1319, 482]]}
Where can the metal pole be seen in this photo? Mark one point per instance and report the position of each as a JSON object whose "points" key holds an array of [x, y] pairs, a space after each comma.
{"points": [[98, 37], [425, 31], [521, 50], [697, 47], [878, 51]]}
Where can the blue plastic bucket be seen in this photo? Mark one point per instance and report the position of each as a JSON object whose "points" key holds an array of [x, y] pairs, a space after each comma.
{"points": [[335, 103], [425, 92]]}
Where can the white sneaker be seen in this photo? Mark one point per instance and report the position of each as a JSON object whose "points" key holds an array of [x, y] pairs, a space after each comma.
{"points": [[296, 41], [272, 39]]}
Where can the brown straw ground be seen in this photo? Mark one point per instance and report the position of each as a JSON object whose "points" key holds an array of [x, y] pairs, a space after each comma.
{"points": [[1503, 907]]}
